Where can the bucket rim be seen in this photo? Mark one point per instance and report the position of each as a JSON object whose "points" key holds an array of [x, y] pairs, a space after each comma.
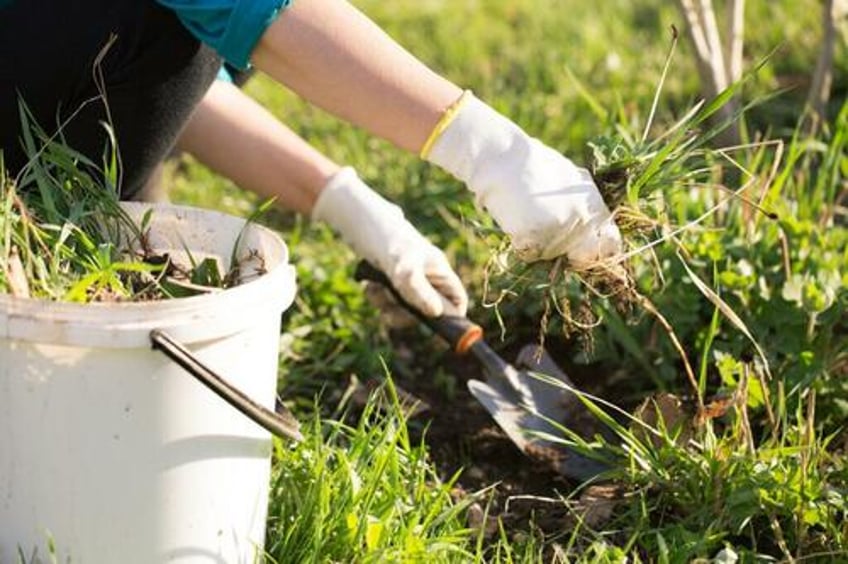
{"points": [[193, 318]]}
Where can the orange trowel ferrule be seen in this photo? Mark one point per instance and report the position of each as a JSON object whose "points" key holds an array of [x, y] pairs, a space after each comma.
{"points": [[472, 335]]}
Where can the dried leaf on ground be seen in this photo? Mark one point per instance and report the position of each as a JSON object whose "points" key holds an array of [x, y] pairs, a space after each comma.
{"points": [[597, 504], [666, 411], [479, 521]]}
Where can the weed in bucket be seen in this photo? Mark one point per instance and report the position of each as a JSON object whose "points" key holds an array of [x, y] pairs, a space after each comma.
{"points": [[90, 406], [66, 236], [60, 224]]}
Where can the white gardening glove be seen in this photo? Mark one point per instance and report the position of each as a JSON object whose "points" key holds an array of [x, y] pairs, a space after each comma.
{"points": [[378, 232], [548, 206]]}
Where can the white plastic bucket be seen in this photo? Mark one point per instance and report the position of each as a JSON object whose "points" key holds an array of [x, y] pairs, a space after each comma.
{"points": [[112, 452]]}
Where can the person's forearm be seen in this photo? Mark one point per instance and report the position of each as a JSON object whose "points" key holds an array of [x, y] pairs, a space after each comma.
{"points": [[335, 57], [235, 136]]}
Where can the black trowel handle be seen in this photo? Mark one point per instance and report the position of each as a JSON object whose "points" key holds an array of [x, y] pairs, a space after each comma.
{"points": [[458, 331]]}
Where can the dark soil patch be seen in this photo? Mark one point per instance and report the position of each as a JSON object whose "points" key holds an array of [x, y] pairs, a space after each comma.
{"points": [[523, 492], [461, 435]]}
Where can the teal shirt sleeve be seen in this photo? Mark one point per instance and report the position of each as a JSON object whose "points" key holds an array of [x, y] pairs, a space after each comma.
{"points": [[231, 27]]}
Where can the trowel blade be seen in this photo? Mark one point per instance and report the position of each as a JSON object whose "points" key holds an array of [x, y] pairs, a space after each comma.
{"points": [[520, 425], [526, 405]]}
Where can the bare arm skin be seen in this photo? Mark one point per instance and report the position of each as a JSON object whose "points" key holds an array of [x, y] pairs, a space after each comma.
{"points": [[335, 57], [237, 137]]}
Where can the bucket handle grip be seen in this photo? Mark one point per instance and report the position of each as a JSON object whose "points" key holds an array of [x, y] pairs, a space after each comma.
{"points": [[282, 424]]}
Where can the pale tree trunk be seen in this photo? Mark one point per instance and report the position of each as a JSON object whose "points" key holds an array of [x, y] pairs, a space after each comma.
{"points": [[718, 65], [834, 13], [735, 39]]}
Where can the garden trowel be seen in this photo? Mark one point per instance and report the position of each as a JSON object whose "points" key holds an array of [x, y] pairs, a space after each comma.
{"points": [[530, 401]]}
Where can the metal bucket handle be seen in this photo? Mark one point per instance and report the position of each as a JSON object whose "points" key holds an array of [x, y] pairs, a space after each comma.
{"points": [[281, 423]]}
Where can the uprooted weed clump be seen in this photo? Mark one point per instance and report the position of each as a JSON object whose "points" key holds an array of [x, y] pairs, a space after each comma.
{"points": [[648, 182]]}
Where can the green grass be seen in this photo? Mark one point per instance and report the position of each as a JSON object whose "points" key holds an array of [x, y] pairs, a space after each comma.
{"points": [[693, 487], [363, 493], [768, 479], [66, 237]]}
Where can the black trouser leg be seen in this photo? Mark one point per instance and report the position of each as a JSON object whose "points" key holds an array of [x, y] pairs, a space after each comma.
{"points": [[155, 73]]}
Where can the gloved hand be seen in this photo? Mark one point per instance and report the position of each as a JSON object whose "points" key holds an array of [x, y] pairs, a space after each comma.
{"points": [[547, 205], [378, 232]]}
